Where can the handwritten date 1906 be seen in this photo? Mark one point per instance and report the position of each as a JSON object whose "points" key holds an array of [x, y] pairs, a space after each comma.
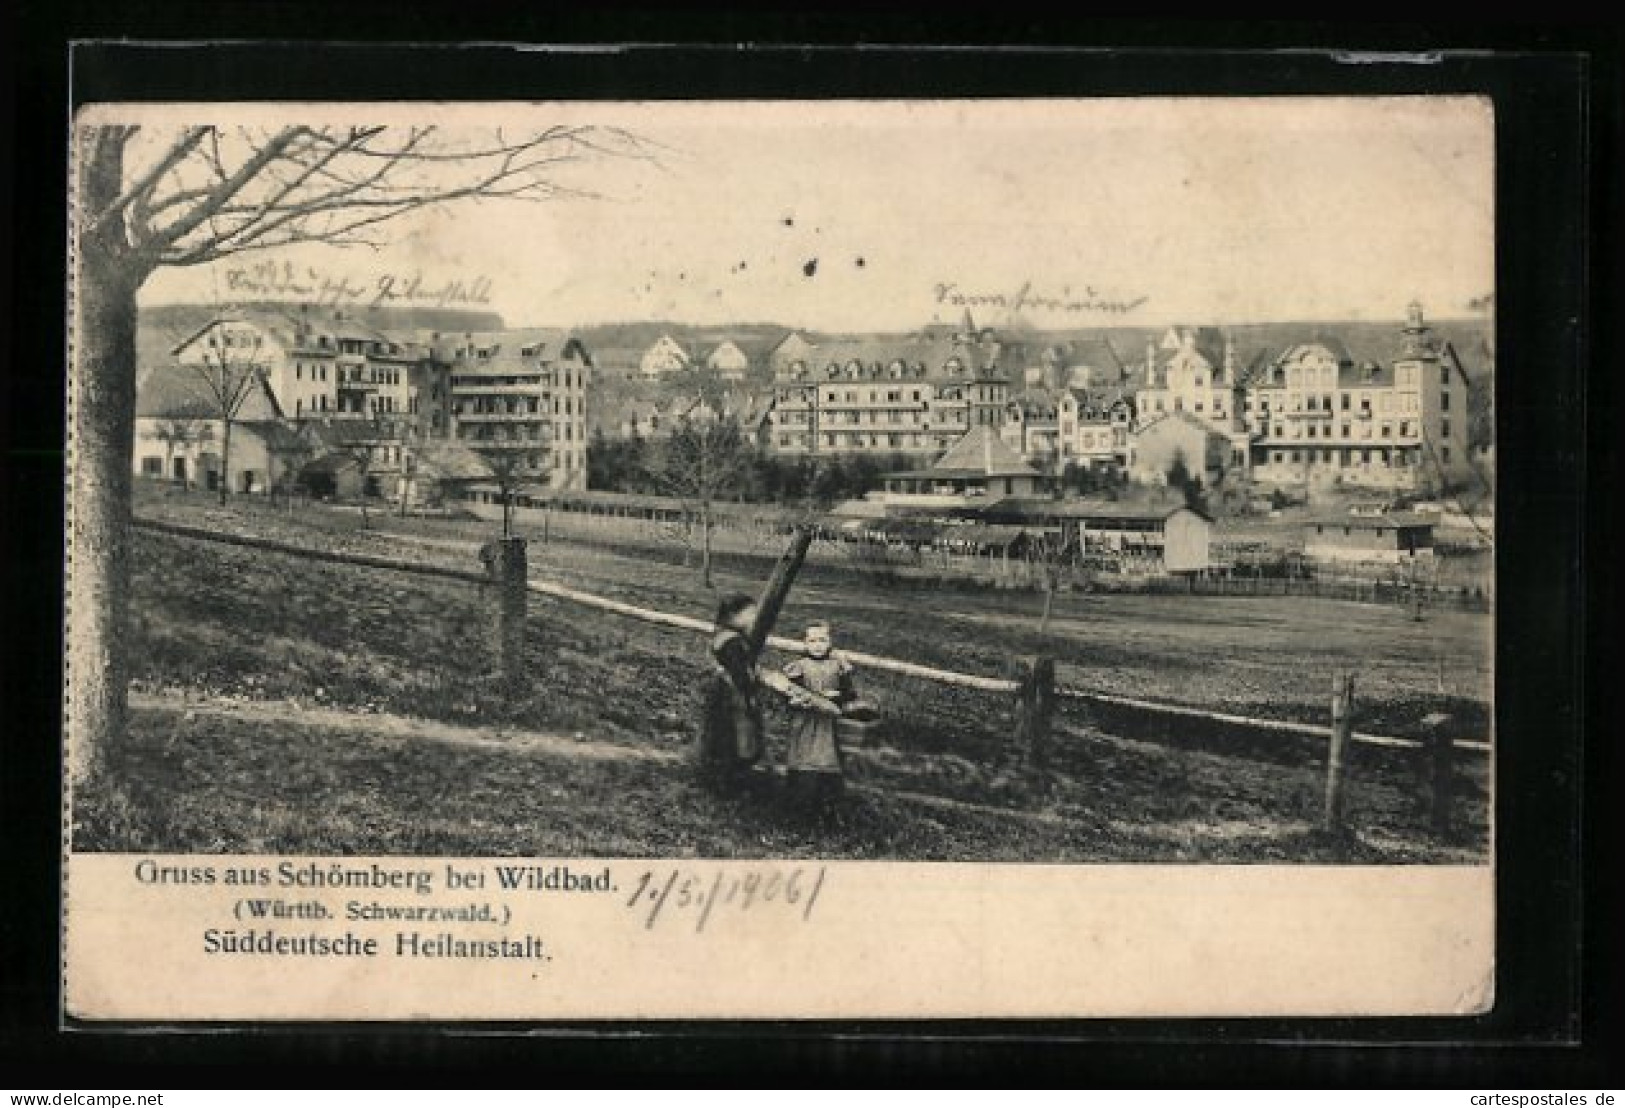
{"points": [[678, 893]]}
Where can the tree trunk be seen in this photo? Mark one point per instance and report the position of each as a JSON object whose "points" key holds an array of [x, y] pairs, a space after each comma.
{"points": [[102, 422], [1049, 603], [225, 460], [705, 544]]}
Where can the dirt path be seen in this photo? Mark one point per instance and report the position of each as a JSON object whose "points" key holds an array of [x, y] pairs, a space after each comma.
{"points": [[499, 738], [490, 737]]}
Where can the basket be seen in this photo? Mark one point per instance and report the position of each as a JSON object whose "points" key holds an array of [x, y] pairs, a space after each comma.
{"points": [[857, 724]]}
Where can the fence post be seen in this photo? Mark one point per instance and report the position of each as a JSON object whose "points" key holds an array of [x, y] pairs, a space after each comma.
{"points": [[505, 563], [1441, 770], [1035, 709], [1337, 752]]}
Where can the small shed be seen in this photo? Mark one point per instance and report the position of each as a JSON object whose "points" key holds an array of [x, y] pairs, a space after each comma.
{"points": [[1390, 537]]}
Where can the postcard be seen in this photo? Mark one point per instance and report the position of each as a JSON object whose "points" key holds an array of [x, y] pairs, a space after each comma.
{"points": [[786, 559]]}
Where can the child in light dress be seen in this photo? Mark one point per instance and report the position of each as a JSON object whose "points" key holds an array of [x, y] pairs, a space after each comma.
{"points": [[822, 687]]}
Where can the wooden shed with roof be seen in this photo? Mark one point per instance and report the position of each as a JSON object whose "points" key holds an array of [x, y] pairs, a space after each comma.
{"points": [[1387, 537]]}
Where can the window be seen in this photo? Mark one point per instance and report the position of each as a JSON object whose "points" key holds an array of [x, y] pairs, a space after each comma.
{"points": [[152, 467], [1444, 429], [1444, 376], [1444, 401], [1296, 456], [1444, 454]]}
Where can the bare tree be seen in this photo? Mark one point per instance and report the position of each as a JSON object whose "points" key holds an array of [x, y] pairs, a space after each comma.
{"points": [[145, 199], [179, 432], [291, 450], [368, 447], [513, 468], [704, 461], [1052, 557], [230, 379]]}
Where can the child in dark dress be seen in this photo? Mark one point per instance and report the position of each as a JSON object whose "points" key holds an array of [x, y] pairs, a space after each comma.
{"points": [[731, 730]]}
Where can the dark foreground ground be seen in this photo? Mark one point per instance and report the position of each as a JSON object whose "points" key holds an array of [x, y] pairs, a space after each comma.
{"points": [[286, 705]]}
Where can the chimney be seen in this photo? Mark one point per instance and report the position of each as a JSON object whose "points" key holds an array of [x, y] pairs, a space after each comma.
{"points": [[1229, 356]]}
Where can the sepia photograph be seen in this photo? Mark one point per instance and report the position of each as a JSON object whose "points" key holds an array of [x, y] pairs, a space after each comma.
{"points": [[667, 503]]}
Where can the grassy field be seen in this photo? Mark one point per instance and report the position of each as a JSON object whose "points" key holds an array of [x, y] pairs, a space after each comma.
{"points": [[1271, 657], [341, 722]]}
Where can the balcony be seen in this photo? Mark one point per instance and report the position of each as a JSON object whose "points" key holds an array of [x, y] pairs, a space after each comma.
{"points": [[502, 417], [482, 388]]}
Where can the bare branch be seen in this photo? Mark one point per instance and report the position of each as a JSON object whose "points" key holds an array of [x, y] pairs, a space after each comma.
{"points": [[229, 187], [144, 185]]}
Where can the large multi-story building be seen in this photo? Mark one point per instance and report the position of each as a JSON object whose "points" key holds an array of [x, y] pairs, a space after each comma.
{"points": [[913, 397], [522, 395], [1314, 415]]}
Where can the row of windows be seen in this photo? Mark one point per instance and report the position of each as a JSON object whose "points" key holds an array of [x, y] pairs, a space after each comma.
{"points": [[1405, 456], [231, 340], [854, 369], [358, 375], [986, 395], [897, 441], [487, 406], [1179, 406]]}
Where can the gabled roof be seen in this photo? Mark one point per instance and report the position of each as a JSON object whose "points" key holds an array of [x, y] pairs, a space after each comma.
{"points": [[1182, 417], [179, 392], [669, 341], [279, 325], [981, 451], [1206, 341]]}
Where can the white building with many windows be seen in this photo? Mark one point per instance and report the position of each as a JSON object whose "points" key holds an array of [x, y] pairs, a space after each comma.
{"points": [[1314, 416], [523, 395]]}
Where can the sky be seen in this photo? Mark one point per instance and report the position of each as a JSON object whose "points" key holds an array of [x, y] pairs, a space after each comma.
{"points": [[883, 216]]}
